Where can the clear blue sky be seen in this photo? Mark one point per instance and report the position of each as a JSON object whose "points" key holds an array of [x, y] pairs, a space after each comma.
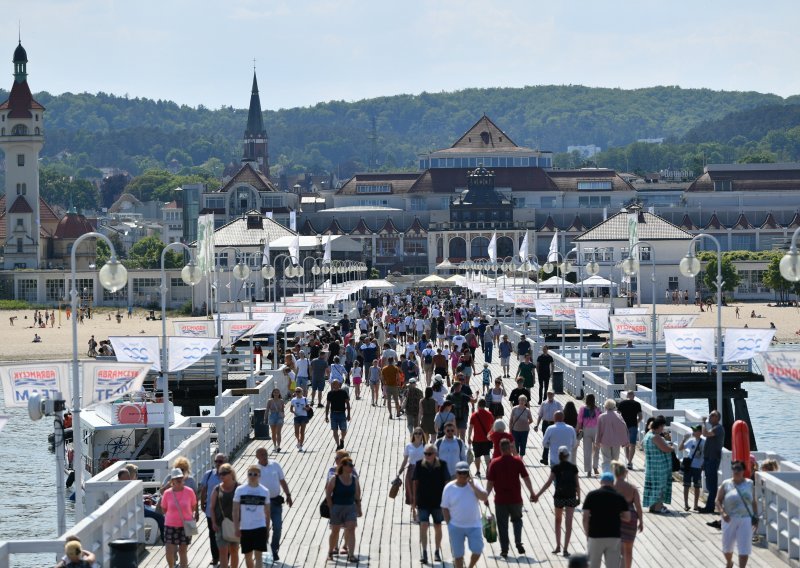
{"points": [[307, 51]]}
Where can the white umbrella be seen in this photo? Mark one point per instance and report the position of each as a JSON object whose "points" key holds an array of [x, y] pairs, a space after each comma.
{"points": [[457, 278], [314, 321], [446, 265], [556, 282], [300, 327], [432, 279], [378, 284], [597, 281]]}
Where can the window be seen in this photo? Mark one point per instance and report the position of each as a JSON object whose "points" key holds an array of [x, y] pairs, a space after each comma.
{"points": [[373, 202], [722, 185], [417, 204], [27, 290], [179, 291], [416, 247], [119, 295], [20, 224], [20, 160], [594, 200], [146, 290], [19, 130], [373, 188], [220, 259], [673, 283], [594, 186], [54, 290], [19, 246], [388, 246], [548, 202], [518, 202], [215, 202], [85, 289], [272, 202]]}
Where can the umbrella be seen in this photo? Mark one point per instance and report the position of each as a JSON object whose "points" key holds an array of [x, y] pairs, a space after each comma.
{"points": [[597, 281], [378, 284], [300, 327], [314, 321], [457, 278], [432, 279], [446, 265], [556, 282]]}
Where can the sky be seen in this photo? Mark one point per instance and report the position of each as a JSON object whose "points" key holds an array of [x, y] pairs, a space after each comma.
{"points": [[201, 52]]}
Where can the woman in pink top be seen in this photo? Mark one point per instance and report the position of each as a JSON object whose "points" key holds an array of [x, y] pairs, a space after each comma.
{"points": [[587, 431], [612, 433], [179, 504]]}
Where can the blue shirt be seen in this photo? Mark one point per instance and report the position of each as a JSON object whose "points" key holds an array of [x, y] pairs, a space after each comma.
{"points": [[505, 348], [210, 480]]}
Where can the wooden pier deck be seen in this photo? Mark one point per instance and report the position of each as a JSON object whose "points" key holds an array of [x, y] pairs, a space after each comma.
{"points": [[385, 537]]}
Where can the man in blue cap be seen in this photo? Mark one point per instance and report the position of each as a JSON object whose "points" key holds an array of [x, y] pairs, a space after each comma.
{"points": [[603, 511]]}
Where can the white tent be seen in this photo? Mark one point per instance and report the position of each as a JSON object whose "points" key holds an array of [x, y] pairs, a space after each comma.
{"points": [[300, 327], [597, 282], [455, 278], [378, 284], [556, 282], [432, 279]]}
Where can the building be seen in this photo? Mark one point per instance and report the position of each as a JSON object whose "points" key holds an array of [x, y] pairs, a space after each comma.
{"points": [[172, 222]]}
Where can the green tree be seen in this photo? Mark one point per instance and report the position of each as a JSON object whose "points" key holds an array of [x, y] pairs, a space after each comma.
{"points": [[146, 253], [773, 280], [730, 276]]}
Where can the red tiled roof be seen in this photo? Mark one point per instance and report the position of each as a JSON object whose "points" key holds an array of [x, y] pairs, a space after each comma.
{"points": [[20, 101], [72, 226], [20, 205]]}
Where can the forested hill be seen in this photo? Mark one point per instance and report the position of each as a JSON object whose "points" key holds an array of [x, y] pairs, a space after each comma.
{"points": [[87, 130], [750, 124]]}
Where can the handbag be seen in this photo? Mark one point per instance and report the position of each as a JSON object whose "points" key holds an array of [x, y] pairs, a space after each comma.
{"points": [[190, 526], [395, 488], [324, 510], [309, 411], [228, 528], [676, 463], [489, 526]]}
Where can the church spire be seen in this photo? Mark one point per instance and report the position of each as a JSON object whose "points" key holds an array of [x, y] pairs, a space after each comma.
{"points": [[20, 64], [255, 121], [256, 143]]}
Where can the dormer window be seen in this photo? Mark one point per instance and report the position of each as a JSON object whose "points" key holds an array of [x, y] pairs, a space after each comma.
{"points": [[19, 130]]}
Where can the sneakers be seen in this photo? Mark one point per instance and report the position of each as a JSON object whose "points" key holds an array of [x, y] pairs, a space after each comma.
{"points": [[715, 524], [520, 548]]}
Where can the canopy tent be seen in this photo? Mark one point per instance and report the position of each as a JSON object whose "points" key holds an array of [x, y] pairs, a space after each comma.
{"points": [[455, 278], [446, 265], [432, 279], [556, 282], [378, 284], [597, 282], [300, 327]]}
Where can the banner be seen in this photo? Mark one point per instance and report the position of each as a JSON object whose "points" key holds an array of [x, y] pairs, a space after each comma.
{"points": [[233, 330], [743, 344], [293, 220], [524, 301], [508, 296], [543, 308], [196, 328], [294, 250], [631, 311], [492, 250], [631, 328], [293, 313], [552, 253], [205, 243], [105, 381], [523, 248], [633, 230], [137, 350], [265, 256], [695, 343], [25, 379], [268, 324], [591, 318], [185, 351], [491, 293], [673, 321], [563, 312], [782, 370]]}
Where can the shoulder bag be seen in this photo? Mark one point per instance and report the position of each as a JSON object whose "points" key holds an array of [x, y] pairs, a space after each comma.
{"points": [[190, 526], [309, 411], [753, 518], [686, 463], [228, 528]]}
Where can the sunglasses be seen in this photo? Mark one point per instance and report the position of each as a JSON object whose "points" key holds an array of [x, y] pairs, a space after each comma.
{"points": [[430, 453], [462, 473], [253, 474]]}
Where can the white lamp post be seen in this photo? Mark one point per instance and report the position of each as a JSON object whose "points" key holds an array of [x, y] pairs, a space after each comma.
{"points": [[630, 266], [113, 276]]}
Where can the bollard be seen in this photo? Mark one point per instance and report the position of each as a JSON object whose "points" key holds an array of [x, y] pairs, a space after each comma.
{"points": [[123, 553], [260, 425]]}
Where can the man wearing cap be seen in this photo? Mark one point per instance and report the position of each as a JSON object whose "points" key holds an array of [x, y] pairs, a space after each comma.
{"points": [[547, 416], [559, 434], [692, 464], [504, 476], [273, 479], [603, 511], [461, 508], [513, 396], [413, 397], [337, 411], [208, 482]]}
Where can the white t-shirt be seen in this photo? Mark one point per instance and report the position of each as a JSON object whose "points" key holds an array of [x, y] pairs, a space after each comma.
{"points": [[302, 367], [251, 501], [464, 507], [459, 341], [410, 348], [414, 453], [299, 405], [271, 476]]}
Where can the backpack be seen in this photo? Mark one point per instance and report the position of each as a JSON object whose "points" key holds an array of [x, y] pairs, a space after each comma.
{"points": [[438, 445], [429, 359], [473, 342]]}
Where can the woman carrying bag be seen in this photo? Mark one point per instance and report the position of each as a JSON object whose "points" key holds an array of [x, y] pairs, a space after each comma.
{"points": [[179, 504], [222, 517]]}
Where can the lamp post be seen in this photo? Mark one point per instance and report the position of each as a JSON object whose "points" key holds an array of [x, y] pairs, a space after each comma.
{"points": [[565, 267], [630, 266], [690, 266], [315, 270], [113, 276], [240, 272], [191, 275]]}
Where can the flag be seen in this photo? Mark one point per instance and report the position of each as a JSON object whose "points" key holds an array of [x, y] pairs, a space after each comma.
{"points": [[523, 248], [591, 318], [326, 259], [265, 257], [205, 243], [106, 381], [137, 350], [293, 220], [552, 254], [780, 370], [186, 351], [694, 343], [22, 380], [294, 250], [493, 248], [631, 327], [743, 344]]}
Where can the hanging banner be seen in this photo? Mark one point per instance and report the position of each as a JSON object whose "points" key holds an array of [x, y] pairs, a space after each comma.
{"points": [[205, 243], [695, 343], [524, 301], [293, 313], [591, 318], [543, 308], [233, 330], [673, 321], [268, 324], [186, 351], [196, 328], [491, 293], [25, 379], [743, 344], [137, 350], [782, 370], [508, 296], [631, 328], [563, 312], [631, 311], [105, 381]]}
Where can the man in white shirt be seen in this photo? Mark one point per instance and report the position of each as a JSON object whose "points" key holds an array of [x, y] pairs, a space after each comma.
{"points": [[458, 341], [451, 450], [303, 374], [547, 413], [273, 479], [559, 434], [461, 506]]}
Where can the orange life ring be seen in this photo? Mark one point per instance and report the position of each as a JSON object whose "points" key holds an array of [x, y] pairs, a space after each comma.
{"points": [[740, 445]]}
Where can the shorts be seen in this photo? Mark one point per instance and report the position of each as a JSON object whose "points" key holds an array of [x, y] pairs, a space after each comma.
{"points": [[692, 477], [738, 531], [341, 514], [474, 536], [176, 535], [467, 372], [318, 384], [633, 434], [461, 423], [481, 448], [356, 380], [504, 361], [562, 502], [298, 420], [436, 514], [339, 421], [254, 539], [440, 371], [392, 391], [275, 419], [302, 382]]}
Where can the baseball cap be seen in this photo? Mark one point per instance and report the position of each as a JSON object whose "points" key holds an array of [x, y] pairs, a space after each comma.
{"points": [[335, 381], [412, 381], [697, 428], [462, 466], [607, 476]]}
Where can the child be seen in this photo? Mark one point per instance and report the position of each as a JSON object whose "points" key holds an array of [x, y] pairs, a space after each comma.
{"points": [[356, 375], [374, 381], [487, 378]]}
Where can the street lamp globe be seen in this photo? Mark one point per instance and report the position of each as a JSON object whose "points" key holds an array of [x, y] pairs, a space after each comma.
{"points": [[548, 267], [191, 274], [789, 266], [241, 271], [565, 267], [113, 276], [299, 271], [268, 272], [315, 270], [630, 266], [592, 268], [326, 269], [689, 266]]}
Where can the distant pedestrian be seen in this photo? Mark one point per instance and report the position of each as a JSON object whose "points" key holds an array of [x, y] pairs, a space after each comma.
{"points": [[273, 478], [337, 412], [587, 432], [519, 422], [658, 468], [208, 482], [612, 433], [299, 407], [275, 417]]}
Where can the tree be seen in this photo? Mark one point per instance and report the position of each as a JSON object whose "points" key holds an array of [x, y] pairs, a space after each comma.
{"points": [[146, 253], [730, 276], [776, 282]]}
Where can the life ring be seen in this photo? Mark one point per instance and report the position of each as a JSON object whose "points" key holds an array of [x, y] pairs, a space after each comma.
{"points": [[740, 445]]}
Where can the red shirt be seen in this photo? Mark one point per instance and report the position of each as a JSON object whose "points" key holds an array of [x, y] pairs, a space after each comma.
{"points": [[504, 472], [481, 421], [496, 437]]}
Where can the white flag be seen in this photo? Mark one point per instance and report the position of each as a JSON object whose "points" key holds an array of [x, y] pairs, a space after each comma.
{"points": [[293, 220], [233, 330], [591, 318], [743, 344], [782, 370], [523, 248], [22, 380], [294, 250], [265, 257], [552, 254], [493, 248], [695, 343], [137, 350], [106, 381], [186, 351], [326, 259], [563, 312], [544, 307]]}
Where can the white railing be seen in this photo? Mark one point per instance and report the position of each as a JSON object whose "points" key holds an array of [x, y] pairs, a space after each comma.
{"points": [[232, 426], [779, 509]]}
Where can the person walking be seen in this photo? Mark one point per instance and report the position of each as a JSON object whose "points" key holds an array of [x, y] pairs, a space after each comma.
{"points": [[526, 370], [427, 413], [337, 412], [451, 449], [488, 344], [299, 407], [587, 432], [275, 416], [567, 495], [503, 476], [558, 435], [612, 433], [412, 453], [319, 373], [631, 411], [208, 482], [739, 509], [273, 478], [519, 422], [513, 396], [429, 480], [604, 510], [179, 504], [635, 523], [343, 495], [461, 404], [714, 434], [461, 500], [505, 349], [657, 468], [546, 417], [411, 405], [251, 517], [222, 510], [495, 398], [357, 376], [545, 367], [390, 377], [375, 382], [443, 417], [480, 425]]}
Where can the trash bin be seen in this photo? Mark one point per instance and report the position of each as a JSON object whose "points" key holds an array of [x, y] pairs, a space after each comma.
{"points": [[123, 553], [260, 426], [557, 382]]}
